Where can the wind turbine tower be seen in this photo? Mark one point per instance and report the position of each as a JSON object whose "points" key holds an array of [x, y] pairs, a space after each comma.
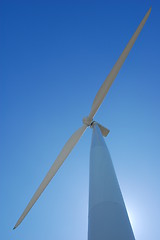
{"points": [[107, 218]]}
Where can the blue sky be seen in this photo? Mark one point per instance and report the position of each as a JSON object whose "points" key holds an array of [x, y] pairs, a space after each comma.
{"points": [[54, 58]]}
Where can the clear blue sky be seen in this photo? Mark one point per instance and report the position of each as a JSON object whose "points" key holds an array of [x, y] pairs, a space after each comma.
{"points": [[54, 56]]}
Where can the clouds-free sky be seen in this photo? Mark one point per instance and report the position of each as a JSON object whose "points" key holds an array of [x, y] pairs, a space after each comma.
{"points": [[54, 57]]}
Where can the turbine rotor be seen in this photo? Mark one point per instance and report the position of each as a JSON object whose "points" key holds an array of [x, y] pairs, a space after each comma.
{"points": [[87, 121]]}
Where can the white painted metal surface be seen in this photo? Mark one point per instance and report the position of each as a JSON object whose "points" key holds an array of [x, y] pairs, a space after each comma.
{"points": [[108, 218]]}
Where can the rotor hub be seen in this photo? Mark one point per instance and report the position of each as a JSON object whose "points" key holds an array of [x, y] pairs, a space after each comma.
{"points": [[87, 121]]}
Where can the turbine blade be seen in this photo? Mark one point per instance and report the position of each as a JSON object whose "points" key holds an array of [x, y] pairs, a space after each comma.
{"points": [[54, 168], [104, 130], [109, 80]]}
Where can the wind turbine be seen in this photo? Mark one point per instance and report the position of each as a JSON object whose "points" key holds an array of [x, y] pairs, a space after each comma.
{"points": [[108, 217]]}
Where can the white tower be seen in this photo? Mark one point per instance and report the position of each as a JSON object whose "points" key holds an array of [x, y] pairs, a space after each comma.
{"points": [[107, 218]]}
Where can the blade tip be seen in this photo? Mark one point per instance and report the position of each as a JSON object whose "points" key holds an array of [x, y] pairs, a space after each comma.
{"points": [[15, 226], [150, 9]]}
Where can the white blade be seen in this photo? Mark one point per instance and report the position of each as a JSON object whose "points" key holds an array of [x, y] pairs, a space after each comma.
{"points": [[56, 165], [109, 80], [103, 129]]}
